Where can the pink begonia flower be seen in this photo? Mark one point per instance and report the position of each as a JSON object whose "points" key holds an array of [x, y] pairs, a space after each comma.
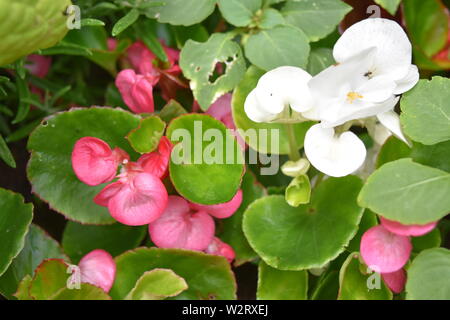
{"points": [[38, 66], [219, 248], [395, 280], [157, 162], [414, 230], [181, 227], [112, 44], [98, 268], [136, 91], [221, 210], [384, 251], [94, 162], [221, 110]]}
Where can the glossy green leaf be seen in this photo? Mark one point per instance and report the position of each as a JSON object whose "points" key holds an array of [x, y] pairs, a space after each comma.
{"points": [[15, 219], [320, 59], [357, 282], [239, 12], [171, 111], [273, 137], [270, 18], [145, 138], [5, 153], [86, 292], [207, 277], [204, 171], [89, 22], [427, 241], [50, 168], [232, 227], [182, 12], [125, 22], [407, 192], [280, 46], [317, 18], [38, 247], [368, 220], [274, 284], [157, 284], [327, 287], [51, 276], [198, 62], [309, 236], [426, 112], [23, 291], [429, 276], [298, 191], [78, 239], [390, 6], [42, 25]]}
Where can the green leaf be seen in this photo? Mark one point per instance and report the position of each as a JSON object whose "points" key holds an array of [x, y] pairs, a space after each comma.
{"points": [[78, 239], [426, 112], [146, 137], [317, 18], [15, 219], [309, 236], [320, 59], [38, 247], [327, 287], [125, 22], [23, 291], [280, 46], [51, 276], [196, 33], [86, 292], [275, 140], [206, 172], [42, 25], [50, 168], [23, 91], [239, 12], [67, 48], [198, 62], [207, 276], [427, 25], [171, 111], [276, 284], [368, 220], [298, 191], [407, 192], [89, 22], [232, 227], [270, 18], [391, 6], [427, 241], [157, 284], [182, 12], [357, 282], [429, 276], [145, 32], [6, 154]]}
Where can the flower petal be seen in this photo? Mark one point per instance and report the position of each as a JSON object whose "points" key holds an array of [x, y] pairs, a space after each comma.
{"points": [[334, 156], [414, 230], [98, 268], [408, 82], [179, 228], [221, 210], [136, 91], [391, 121], [140, 201], [157, 162], [93, 161], [221, 107], [384, 251], [395, 280], [254, 111], [219, 248], [103, 197]]}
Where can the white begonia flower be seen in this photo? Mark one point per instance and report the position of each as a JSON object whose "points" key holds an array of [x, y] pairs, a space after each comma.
{"points": [[281, 95], [333, 154]]}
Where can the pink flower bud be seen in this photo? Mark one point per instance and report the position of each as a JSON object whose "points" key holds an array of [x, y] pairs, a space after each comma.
{"points": [[38, 66], [220, 248], [94, 162], [136, 91], [179, 227], [221, 210], [157, 162], [112, 44], [384, 251], [395, 280], [414, 230], [98, 268]]}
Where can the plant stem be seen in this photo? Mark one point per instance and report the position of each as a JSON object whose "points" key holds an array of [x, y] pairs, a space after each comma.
{"points": [[294, 155]]}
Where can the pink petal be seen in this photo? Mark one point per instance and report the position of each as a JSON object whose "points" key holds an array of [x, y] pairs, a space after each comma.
{"points": [[112, 44], [103, 197], [414, 230], [180, 228], [98, 268], [142, 94], [384, 251], [38, 66], [395, 280], [221, 107], [221, 210], [220, 248], [157, 162], [93, 161], [140, 201]]}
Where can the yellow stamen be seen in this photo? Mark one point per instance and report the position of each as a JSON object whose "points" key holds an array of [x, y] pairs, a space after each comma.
{"points": [[352, 96]]}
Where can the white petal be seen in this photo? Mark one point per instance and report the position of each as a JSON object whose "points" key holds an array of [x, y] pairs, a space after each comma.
{"points": [[408, 82], [391, 121], [377, 89], [254, 111], [394, 53], [336, 156]]}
